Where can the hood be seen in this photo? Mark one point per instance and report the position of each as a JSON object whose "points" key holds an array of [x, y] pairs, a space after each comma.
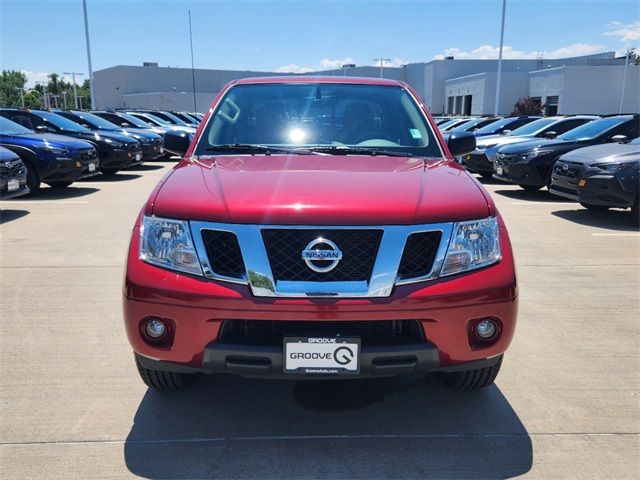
{"points": [[102, 135], [320, 190], [529, 145], [607, 153], [499, 140], [7, 155], [141, 132], [37, 140]]}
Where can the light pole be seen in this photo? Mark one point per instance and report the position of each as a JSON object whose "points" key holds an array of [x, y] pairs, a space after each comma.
{"points": [[45, 103], [193, 71], [86, 34], [499, 73], [64, 99], [73, 79], [624, 77], [345, 66], [21, 95], [381, 60]]}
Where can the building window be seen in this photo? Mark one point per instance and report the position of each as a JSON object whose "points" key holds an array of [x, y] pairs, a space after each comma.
{"points": [[459, 105], [551, 106], [449, 105]]}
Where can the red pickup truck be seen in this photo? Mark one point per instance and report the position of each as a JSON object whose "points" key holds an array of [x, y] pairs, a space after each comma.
{"points": [[318, 227]]}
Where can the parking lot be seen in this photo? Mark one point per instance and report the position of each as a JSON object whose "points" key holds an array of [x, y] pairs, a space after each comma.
{"points": [[565, 404]]}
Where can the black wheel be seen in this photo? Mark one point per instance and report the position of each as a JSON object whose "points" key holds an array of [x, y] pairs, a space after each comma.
{"points": [[529, 188], [163, 380], [33, 179], [59, 184], [486, 174], [109, 171], [595, 208], [635, 211], [473, 379]]}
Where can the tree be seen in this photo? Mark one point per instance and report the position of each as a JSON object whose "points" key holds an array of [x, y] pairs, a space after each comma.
{"points": [[11, 82], [528, 106]]}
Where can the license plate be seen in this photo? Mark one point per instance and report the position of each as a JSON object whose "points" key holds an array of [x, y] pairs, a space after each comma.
{"points": [[582, 183], [13, 185], [92, 167], [161, 149], [138, 157], [321, 355], [499, 170]]}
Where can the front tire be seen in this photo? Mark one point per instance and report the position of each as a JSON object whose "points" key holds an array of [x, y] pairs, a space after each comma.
{"points": [[164, 380], [486, 175], [33, 179], [109, 171], [530, 188], [473, 379], [595, 208], [59, 184]]}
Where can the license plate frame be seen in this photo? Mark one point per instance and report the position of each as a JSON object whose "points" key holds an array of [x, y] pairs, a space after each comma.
{"points": [[13, 185], [345, 355], [91, 167]]}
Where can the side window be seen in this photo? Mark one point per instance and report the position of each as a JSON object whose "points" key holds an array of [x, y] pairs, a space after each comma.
{"points": [[518, 123], [116, 119], [562, 127], [630, 129]]}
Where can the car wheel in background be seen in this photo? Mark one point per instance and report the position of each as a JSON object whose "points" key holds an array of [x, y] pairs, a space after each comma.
{"points": [[472, 379], [33, 179], [486, 174], [635, 211], [595, 208], [59, 184], [163, 380], [109, 171], [530, 188]]}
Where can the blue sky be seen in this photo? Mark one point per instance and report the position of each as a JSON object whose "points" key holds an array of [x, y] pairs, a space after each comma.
{"points": [[297, 35]]}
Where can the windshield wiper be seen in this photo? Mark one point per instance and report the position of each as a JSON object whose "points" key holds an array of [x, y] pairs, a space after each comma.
{"points": [[340, 150], [248, 148]]}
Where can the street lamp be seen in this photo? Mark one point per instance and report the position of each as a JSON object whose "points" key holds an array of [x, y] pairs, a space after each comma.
{"points": [[381, 60], [86, 34], [624, 76], [345, 66], [64, 99], [21, 95], [45, 103], [73, 79], [499, 73]]}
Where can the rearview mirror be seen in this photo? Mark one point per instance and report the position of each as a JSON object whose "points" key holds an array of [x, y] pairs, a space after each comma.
{"points": [[177, 142], [461, 143], [551, 134], [619, 138]]}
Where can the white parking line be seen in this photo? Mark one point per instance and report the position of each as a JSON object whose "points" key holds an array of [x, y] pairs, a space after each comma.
{"points": [[540, 203], [36, 202], [616, 234]]}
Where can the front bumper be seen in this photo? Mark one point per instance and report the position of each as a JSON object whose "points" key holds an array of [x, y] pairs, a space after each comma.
{"points": [[605, 190], [197, 308], [477, 162], [521, 173], [152, 151], [120, 158]]}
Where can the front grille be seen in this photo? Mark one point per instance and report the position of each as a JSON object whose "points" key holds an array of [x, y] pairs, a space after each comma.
{"points": [[87, 154], [223, 252], [359, 251], [505, 160], [419, 254], [272, 332], [567, 170], [11, 169], [134, 147]]}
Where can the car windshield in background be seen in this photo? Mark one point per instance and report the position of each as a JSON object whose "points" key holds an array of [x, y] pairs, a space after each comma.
{"points": [[134, 120], [492, 127], [62, 122], [320, 115], [466, 126], [591, 130], [533, 127], [159, 120], [635, 141], [97, 121], [7, 127]]}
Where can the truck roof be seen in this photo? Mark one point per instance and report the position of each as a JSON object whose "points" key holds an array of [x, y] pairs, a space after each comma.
{"points": [[318, 79]]}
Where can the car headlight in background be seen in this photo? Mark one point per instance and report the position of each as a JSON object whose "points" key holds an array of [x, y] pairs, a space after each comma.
{"points": [[535, 153], [167, 243], [57, 150], [114, 143], [473, 244], [484, 147], [614, 167]]}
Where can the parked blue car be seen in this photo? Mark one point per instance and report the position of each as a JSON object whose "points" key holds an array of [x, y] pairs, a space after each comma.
{"points": [[56, 160]]}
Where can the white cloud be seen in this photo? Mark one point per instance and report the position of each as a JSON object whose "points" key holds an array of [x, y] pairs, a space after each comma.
{"points": [[485, 52], [33, 77], [325, 64], [394, 62], [626, 32]]}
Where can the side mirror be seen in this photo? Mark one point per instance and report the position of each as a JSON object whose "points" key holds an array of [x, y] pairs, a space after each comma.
{"points": [[551, 135], [177, 142], [44, 129], [619, 138], [461, 143], [505, 132]]}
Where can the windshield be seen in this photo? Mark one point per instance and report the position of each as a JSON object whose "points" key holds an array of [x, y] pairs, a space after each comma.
{"points": [[61, 122], [173, 119], [96, 121], [450, 123], [158, 120], [135, 120], [495, 126], [7, 127], [533, 127], [593, 129], [323, 115], [635, 141], [466, 126]]}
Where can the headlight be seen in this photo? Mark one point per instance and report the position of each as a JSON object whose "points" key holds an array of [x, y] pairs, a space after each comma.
{"points": [[167, 243], [57, 150], [473, 245], [535, 153], [613, 167], [114, 143]]}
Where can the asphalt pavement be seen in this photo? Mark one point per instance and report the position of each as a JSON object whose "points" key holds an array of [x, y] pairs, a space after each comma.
{"points": [[565, 404]]}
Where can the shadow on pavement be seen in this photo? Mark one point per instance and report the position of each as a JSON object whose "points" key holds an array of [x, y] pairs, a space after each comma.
{"points": [[536, 195], [7, 216], [489, 180], [47, 193], [116, 177], [405, 427], [620, 220], [143, 168]]}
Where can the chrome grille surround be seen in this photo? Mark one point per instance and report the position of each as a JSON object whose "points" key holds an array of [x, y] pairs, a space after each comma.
{"points": [[260, 278]]}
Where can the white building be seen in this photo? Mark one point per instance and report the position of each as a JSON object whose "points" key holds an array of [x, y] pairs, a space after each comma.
{"points": [[588, 84]]}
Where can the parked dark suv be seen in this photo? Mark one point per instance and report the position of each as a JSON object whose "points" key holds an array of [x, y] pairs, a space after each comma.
{"points": [[13, 175], [116, 151], [150, 142], [529, 164], [53, 159]]}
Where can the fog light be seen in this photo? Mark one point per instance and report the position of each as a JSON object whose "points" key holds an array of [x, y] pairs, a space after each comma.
{"points": [[486, 329], [155, 329]]}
